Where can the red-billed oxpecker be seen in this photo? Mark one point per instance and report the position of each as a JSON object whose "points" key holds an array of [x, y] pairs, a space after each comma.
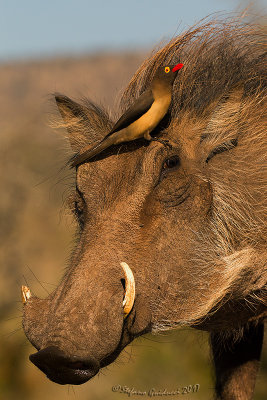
{"points": [[141, 118]]}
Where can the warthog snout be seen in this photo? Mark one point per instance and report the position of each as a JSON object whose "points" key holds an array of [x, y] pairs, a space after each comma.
{"points": [[63, 369], [85, 323]]}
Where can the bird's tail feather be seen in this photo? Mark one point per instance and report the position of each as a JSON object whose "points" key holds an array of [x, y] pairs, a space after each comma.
{"points": [[91, 152]]}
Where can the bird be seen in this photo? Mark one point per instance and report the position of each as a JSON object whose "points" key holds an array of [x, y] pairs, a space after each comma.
{"points": [[141, 117]]}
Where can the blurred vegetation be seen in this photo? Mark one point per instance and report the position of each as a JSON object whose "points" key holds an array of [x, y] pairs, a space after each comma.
{"points": [[37, 234]]}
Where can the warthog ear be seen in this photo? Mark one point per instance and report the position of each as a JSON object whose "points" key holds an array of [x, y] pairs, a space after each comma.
{"points": [[86, 123]]}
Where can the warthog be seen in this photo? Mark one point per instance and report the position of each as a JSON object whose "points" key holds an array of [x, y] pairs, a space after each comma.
{"points": [[169, 235]]}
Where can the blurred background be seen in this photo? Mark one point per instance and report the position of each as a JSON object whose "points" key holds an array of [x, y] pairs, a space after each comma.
{"points": [[80, 48]]}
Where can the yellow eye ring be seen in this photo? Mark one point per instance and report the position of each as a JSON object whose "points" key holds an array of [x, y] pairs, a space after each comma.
{"points": [[167, 70]]}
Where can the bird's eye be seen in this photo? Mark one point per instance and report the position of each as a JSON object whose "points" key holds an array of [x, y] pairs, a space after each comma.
{"points": [[171, 162], [167, 70]]}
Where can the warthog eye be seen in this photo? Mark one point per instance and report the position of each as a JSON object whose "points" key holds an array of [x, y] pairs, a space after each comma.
{"points": [[221, 148], [171, 162]]}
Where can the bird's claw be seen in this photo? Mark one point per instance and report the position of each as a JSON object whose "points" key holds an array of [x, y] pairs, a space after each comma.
{"points": [[165, 142]]}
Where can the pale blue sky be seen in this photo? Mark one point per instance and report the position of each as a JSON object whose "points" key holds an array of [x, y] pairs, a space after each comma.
{"points": [[39, 28]]}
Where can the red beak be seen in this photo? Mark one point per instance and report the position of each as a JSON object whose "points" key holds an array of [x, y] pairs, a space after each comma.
{"points": [[177, 67]]}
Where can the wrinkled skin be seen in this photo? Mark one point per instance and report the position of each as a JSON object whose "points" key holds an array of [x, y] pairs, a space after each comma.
{"points": [[152, 206]]}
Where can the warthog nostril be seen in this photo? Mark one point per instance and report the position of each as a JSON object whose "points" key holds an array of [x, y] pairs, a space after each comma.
{"points": [[79, 365], [64, 369]]}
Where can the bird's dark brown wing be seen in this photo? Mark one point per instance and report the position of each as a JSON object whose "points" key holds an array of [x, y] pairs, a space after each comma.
{"points": [[137, 109]]}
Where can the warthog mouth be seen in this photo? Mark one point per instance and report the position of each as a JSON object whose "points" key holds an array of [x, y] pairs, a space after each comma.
{"points": [[61, 369]]}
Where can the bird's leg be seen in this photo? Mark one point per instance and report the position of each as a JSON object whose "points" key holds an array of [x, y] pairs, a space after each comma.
{"points": [[165, 142], [147, 136]]}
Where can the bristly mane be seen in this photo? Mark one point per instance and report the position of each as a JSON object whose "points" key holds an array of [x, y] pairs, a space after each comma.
{"points": [[216, 56]]}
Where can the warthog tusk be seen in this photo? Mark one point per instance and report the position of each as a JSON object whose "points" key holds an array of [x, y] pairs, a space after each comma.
{"points": [[25, 294], [129, 295]]}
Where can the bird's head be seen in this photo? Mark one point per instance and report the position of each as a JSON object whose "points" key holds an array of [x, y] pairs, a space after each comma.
{"points": [[166, 74]]}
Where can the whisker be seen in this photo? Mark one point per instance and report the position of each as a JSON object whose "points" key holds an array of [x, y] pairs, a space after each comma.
{"points": [[8, 335], [38, 280], [12, 318]]}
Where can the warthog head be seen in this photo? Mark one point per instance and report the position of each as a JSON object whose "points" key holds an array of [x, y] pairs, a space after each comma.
{"points": [[169, 235]]}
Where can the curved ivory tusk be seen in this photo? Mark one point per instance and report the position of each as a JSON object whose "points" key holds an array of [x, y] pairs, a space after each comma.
{"points": [[25, 294], [129, 295]]}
